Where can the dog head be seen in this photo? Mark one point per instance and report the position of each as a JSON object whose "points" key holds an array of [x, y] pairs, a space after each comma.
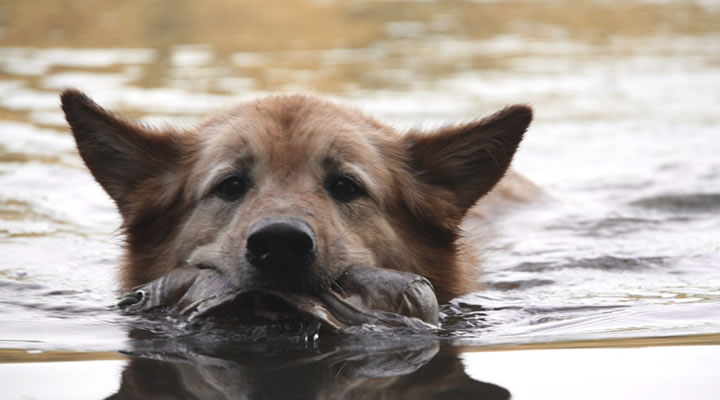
{"points": [[286, 192]]}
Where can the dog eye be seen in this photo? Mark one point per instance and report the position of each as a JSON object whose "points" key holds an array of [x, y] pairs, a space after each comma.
{"points": [[231, 188], [344, 188]]}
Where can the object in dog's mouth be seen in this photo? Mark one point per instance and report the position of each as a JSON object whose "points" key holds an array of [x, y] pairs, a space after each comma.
{"points": [[361, 296]]}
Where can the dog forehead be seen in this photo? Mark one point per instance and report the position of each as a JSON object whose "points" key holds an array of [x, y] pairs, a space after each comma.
{"points": [[292, 127], [285, 136]]}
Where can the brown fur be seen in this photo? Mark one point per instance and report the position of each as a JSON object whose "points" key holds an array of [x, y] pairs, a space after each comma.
{"points": [[419, 187]]}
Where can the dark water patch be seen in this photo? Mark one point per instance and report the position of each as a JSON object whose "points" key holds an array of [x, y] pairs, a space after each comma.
{"points": [[518, 284], [63, 292], [696, 202], [606, 227], [610, 263], [622, 186], [537, 266], [413, 371], [614, 226], [568, 309], [603, 263]]}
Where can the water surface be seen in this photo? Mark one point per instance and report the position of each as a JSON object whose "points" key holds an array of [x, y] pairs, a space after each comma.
{"points": [[623, 251]]}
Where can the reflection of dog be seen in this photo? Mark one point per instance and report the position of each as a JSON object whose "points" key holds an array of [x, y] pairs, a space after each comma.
{"points": [[400, 375], [285, 192]]}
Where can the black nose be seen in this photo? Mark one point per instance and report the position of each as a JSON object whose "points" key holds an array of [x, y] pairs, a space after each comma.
{"points": [[280, 243]]}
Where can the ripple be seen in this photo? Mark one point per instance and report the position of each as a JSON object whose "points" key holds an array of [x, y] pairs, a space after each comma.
{"points": [[10, 285], [604, 263], [519, 284], [613, 226], [696, 202]]}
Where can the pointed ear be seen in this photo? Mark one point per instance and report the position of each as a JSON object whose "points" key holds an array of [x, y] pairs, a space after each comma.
{"points": [[468, 160], [120, 154]]}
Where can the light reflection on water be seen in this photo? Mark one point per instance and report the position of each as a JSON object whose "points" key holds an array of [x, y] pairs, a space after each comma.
{"points": [[625, 144]]}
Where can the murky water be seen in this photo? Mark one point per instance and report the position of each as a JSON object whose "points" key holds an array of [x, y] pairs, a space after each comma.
{"points": [[626, 143]]}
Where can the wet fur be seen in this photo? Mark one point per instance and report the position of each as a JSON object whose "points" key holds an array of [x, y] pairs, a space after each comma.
{"points": [[420, 186]]}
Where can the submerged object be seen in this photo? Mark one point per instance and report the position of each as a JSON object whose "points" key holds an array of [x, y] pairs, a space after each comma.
{"points": [[360, 296]]}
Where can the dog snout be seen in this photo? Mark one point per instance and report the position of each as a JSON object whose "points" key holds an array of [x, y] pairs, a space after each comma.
{"points": [[280, 243]]}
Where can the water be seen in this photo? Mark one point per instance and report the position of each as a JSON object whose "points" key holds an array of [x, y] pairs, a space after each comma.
{"points": [[622, 252]]}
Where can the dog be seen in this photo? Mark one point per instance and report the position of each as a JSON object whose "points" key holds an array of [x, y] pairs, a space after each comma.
{"points": [[287, 191]]}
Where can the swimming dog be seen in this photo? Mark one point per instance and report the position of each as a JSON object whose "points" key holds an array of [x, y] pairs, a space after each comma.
{"points": [[288, 191]]}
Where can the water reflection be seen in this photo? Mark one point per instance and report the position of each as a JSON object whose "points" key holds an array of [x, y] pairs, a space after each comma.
{"points": [[226, 373]]}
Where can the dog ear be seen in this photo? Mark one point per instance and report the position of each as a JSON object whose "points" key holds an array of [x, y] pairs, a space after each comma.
{"points": [[468, 160], [120, 154]]}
